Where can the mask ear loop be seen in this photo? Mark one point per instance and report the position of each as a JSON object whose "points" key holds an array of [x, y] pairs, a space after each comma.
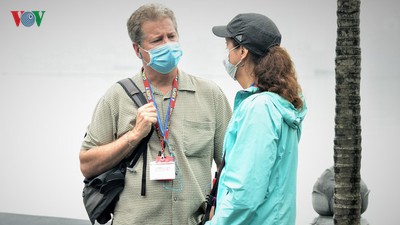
{"points": [[228, 52], [141, 56], [237, 64]]}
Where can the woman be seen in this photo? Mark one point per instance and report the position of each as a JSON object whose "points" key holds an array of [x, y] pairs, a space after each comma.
{"points": [[257, 185]]}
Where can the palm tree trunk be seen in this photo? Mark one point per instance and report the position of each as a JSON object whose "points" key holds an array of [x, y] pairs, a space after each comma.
{"points": [[347, 143]]}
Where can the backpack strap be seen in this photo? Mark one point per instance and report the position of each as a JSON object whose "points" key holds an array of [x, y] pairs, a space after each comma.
{"points": [[133, 91], [138, 98]]}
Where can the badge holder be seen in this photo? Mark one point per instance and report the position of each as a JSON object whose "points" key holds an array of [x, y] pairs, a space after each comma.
{"points": [[163, 168]]}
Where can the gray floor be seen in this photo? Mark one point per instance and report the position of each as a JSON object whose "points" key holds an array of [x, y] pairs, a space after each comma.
{"points": [[21, 219]]}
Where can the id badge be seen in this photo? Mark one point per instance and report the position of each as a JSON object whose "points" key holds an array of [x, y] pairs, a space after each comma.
{"points": [[162, 169]]}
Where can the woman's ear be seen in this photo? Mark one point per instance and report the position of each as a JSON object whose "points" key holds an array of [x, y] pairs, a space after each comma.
{"points": [[243, 55], [243, 51]]}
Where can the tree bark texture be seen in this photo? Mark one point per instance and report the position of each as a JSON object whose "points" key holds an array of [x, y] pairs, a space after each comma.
{"points": [[347, 142]]}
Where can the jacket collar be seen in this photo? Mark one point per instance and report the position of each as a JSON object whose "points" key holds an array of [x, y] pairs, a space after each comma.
{"points": [[243, 94]]}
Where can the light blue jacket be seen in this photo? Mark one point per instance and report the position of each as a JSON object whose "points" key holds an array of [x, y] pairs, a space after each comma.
{"points": [[258, 183]]}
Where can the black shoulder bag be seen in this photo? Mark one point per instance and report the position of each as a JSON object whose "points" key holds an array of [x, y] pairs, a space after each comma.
{"points": [[101, 193]]}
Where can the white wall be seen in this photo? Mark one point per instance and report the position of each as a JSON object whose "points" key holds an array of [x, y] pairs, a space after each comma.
{"points": [[52, 76]]}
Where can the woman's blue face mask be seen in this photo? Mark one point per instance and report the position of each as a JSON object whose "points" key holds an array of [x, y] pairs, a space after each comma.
{"points": [[164, 58], [229, 67]]}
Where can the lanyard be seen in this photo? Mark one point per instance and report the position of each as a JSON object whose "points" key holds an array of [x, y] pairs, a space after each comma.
{"points": [[162, 130]]}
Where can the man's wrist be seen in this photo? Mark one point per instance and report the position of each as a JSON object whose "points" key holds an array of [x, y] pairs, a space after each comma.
{"points": [[127, 135]]}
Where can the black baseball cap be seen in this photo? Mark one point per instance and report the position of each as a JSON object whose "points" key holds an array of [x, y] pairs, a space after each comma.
{"points": [[254, 31]]}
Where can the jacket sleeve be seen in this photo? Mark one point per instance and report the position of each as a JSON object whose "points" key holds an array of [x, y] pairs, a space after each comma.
{"points": [[246, 176]]}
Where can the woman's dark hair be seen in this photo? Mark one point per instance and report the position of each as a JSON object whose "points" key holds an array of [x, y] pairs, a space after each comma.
{"points": [[275, 72]]}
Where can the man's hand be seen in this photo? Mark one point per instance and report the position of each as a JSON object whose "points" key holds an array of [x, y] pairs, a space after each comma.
{"points": [[146, 116], [212, 212]]}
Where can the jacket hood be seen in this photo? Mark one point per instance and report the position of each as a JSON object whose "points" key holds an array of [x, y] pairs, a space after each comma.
{"points": [[292, 116]]}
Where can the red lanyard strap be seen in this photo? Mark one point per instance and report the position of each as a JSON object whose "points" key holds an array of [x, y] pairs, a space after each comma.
{"points": [[162, 130]]}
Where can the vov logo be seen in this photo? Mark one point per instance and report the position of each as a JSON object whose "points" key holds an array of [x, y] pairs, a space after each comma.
{"points": [[28, 18]]}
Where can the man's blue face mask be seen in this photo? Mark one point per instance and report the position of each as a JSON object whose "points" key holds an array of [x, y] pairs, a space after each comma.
{"points": [[164, 58]]}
